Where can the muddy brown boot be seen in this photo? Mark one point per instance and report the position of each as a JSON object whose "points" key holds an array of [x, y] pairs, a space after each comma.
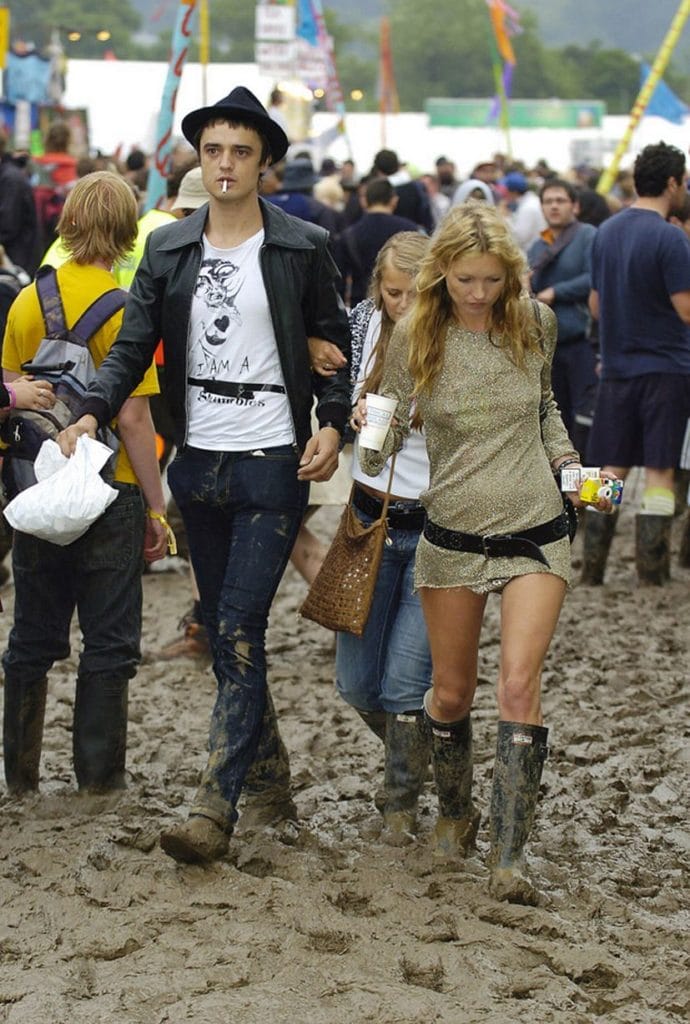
{"points": [[99, 738], [598, 534], [456, 829], [267, 796], [653, 549], [520, 754], [407, 751], [23, 717], [197, 841]]}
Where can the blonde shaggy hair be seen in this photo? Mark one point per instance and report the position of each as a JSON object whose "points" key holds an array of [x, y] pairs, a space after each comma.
{"points": [[99, 218], [472, 229], [404, 252]]}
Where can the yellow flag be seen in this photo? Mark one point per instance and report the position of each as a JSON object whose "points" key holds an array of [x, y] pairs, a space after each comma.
{"points": [[4, 35]]}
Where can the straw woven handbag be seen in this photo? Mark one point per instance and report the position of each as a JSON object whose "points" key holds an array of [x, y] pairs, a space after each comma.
{"points": [[341, 595]]}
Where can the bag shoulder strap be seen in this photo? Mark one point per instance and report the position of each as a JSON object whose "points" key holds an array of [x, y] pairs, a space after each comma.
{"points": [[98, 313], [50, 300], [91, 320]]}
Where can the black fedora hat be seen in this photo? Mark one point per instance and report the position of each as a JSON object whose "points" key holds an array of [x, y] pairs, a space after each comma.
{"points": [[239, 105]]}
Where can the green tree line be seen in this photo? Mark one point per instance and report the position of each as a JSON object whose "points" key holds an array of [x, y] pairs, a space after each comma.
{"points": [[440, 48]]}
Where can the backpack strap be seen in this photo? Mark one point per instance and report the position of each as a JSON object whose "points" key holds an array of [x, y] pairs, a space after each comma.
{"points": [[98, 313], [50, 300]]}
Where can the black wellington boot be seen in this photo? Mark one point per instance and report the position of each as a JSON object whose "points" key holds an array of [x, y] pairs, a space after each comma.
{"points": [[99, 740], [23, 717], [598, 534], [520, 754], [684, 550], [267, 795], [456, 829], [407, 752], [376, 721], [653, 549]]}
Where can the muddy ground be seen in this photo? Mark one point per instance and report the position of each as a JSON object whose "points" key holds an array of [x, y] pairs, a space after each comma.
{"points": [[320, 923]]}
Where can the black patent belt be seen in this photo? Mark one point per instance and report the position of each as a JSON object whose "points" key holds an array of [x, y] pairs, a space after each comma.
{"points": [[525, 544], [402, 515], [230, 389]]}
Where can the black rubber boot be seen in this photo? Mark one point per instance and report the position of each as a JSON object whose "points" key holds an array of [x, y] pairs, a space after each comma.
{"points": [[684, 550], [598, 534], [99, 740], [376, 721], [23, 717], [456, 829], [520, 754], [653, 549], [267, 795], [407, 751]]}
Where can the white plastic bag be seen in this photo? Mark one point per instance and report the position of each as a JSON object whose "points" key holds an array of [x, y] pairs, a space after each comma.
{"points": [[69, 496]]}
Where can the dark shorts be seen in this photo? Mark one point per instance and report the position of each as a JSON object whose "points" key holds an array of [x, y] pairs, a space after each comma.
{"points": [[640, 421]]}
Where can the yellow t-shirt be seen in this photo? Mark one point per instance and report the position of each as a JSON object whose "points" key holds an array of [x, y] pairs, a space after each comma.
{"points": [[79, 287]]}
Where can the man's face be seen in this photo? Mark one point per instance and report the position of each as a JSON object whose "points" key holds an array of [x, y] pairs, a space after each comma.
{"points": [[558, 208], [231, 162], [679, 190]]}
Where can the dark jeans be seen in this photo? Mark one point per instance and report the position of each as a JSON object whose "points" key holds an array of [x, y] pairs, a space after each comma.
{"points": [[242, 511], [100, 575], [574, 382]]}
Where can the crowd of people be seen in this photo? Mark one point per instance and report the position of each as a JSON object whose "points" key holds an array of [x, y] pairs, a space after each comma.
{"points": [[524, 325]]}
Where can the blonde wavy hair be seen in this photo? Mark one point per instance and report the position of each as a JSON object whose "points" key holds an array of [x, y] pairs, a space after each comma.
{"points": [[472, 229], [404, 252], [99, 218]]}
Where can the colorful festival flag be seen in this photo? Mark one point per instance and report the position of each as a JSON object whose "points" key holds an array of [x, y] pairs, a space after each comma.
{"points": [[505, 23], [161, 165], [664, 102], [389, 102]]}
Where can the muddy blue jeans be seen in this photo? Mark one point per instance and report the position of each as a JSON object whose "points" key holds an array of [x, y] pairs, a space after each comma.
{"points": [[242, 511]]}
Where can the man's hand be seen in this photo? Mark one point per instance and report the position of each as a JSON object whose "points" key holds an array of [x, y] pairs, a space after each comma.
{"points": [[155, 540], [320, 458], [67, 438], [548, 295], [325, 357]]}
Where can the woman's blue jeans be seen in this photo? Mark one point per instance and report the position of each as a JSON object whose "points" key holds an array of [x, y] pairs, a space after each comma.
{"points": [[242, 511], [388, 668]]}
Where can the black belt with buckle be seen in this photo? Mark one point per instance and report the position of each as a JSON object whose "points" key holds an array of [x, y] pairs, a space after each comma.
{"points": [[525, 544], [402, 515], [229, 389]]}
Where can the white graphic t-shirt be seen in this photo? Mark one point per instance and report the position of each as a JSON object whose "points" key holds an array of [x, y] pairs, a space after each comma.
{"points": [[237, 398]]}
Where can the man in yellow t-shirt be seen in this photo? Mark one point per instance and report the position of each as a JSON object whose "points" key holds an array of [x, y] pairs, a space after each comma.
{"points": [[99, 574]]}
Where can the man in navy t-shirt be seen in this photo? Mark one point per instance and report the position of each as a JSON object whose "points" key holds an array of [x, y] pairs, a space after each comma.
{"points": [[641, 296]]}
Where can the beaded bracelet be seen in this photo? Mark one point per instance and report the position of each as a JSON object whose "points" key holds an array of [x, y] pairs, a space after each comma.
{"points": [[567, 462], [172, 542]]}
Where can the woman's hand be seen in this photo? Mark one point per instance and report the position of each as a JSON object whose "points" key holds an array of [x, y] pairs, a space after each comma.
{"points": [[325, 357], [33, 394], [358, 418]]}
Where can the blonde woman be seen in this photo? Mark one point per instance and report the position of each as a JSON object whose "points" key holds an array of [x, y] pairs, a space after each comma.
{"points": [[477, 361]]}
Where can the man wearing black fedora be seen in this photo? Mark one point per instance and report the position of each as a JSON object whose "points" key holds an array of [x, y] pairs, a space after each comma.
{"points": [[234, 291]]}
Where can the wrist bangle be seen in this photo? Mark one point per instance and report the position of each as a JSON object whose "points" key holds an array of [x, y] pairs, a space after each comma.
{"points": [[13, 396], [172, 543], [567, 462]]}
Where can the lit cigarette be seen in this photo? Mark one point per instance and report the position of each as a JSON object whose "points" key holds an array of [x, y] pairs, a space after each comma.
{"points": [[225, 185]]}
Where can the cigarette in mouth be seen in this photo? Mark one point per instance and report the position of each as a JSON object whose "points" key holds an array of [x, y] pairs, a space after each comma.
{"points": [[225, 185]]}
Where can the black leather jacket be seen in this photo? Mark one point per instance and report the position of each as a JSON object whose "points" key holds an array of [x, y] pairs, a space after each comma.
{"points": [[300, 280]]}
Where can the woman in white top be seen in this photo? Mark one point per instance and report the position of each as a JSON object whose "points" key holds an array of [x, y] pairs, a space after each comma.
{"points": [[384, 673]]}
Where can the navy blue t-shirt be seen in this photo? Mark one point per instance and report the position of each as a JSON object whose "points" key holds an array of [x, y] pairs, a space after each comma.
{"points": [[638, 262]]}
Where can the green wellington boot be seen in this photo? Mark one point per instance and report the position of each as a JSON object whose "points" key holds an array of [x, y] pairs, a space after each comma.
{"points": [[99, 737], [598, 534], [520, 754], [407, 752], [653, 549], [456, 829]]}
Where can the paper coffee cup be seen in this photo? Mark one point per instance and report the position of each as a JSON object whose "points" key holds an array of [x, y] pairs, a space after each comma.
{"points": [[379, 415]]}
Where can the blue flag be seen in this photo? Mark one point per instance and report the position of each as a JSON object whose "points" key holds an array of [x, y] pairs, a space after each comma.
{"points": [[664, 102]]}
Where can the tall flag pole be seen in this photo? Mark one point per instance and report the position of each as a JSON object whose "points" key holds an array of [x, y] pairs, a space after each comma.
{"points": [[204, 49], [155, 191], [389, 101], [645, 94], [505, 23]]}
